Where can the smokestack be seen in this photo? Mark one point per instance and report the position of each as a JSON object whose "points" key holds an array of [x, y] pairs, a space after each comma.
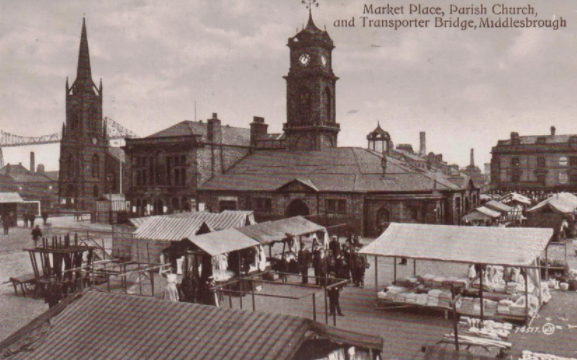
{"points": [[553, 130], [472, 157], [32, 165], [423, 147]]}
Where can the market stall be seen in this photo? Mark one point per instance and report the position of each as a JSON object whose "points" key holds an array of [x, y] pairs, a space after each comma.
{"points": [[481, 216], [556, 212], [506, 283]]}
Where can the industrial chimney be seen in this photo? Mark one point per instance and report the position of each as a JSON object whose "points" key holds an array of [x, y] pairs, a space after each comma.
{"points": [[553, 130], [423, 147], [472, 164], [32, 165]]}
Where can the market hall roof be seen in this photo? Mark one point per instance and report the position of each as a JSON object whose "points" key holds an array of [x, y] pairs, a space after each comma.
{"points": [[344, 169], [230, 135], [464, 244], [99, 325]]}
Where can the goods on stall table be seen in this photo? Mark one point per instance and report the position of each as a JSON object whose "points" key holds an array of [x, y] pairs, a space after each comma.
{"points": [[529, 355]]}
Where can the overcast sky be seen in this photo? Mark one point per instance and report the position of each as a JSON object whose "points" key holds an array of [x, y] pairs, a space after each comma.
{"points": [[466, 89]]}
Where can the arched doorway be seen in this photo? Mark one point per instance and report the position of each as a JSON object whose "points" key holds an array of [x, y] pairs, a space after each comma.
{"points": [[383, 220], [297, 207]]}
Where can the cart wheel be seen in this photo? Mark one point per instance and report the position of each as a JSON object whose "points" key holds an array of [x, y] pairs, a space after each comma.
{"points": [[30, 287]]}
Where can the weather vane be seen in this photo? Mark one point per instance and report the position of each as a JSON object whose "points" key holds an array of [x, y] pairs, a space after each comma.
{"points": [[310, 3]]}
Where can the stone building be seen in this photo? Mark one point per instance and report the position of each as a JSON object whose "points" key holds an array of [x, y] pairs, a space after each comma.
{"points": [[32, 185], [535, 163], [303, 172], [88, 166], [166, 168]]}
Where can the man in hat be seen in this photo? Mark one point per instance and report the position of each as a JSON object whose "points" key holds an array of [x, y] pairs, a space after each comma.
{"points": [[323, 268], [334, 295], [316, 261], [360, 263], [304, 258], [334, 245], [36, 234]]}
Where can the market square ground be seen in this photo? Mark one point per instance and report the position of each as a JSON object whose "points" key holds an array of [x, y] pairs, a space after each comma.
{"points": [[405, 331]]}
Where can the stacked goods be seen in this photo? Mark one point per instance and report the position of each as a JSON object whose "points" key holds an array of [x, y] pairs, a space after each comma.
{"points": [[411, 297], [504, 307], [528, 355], [490, 307], [422, 299], [438, 282], [511, 287], [518, 308], [433, 297], [445, 299], [408, 282], [428, 280], [488, 328], [461, 283], [392, 293], [470, 305]]}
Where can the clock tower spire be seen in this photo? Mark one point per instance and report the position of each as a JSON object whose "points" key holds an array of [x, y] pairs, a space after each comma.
{"points": [[311, 122]]}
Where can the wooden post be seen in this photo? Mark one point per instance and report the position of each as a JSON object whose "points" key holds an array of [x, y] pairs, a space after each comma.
{"points": [[230, 299], [455, 323], [526, 296], [152, 281], [546, 263], [252, 294], [139, 279], [314, 307], [326, 308], [394, 270], [481, 293], [414, 267], [376, 272]]}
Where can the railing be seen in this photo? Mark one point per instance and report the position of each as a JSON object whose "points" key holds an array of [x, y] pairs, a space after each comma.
{"points": [[327, 124]]}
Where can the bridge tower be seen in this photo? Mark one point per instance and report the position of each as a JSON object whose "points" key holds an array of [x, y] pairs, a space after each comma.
{"points": [[84, 140]]}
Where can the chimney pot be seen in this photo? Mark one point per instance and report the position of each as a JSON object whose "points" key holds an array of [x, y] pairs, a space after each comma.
{"points": [[553, 130], [214, 116]]}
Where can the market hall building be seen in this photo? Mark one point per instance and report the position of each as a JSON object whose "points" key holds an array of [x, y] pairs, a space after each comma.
{"points": [[303, 172]]}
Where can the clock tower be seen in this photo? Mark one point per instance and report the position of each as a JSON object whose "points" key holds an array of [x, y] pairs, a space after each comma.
{"points": [[84, 140], [311, 123]]}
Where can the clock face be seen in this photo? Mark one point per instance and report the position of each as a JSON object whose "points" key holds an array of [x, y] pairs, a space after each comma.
{"points": [[304, 59], [94, 141], [323, 60]]}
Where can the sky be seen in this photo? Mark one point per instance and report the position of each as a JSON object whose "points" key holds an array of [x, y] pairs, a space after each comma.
{"points": [[162, 62]]}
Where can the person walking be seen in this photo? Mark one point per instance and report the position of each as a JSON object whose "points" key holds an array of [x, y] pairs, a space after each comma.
{"points": [[323, 268], [45, 217], [5, 224], [304, 258], [36, 234], [334, 246], [283, 268], [316, 261], [31, 217], [25, 218], [334, 293], [361, 264]]}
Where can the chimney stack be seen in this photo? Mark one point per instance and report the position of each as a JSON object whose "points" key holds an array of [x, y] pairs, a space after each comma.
{"points": [[553, 130], [472, 158], [213, 130], [32, 165], [423, 147]]}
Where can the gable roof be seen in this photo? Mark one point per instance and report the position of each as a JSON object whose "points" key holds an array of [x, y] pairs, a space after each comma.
{"points": [[102, 325], [22, 175], [463, 244], [216, 221], [497, 206], [564, 203], [278, 230], [230, 135], [348, 169], [169, 228]]}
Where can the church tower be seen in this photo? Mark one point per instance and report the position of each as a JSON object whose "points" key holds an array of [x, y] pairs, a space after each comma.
{"points": [[84, 139], [311, 123]]}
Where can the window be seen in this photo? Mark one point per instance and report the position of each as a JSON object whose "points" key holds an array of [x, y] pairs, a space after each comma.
{"points": [[95, 191], [515, 162], [336, 206], [140, 172], [515, 177], [95, 166], [262, 204], [328, 104], [541, 162], [304, 104], [227, 205], [176, 170]]}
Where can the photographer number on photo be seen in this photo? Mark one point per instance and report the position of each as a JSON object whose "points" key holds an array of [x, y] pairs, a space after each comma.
{"points": [[546, 329]]}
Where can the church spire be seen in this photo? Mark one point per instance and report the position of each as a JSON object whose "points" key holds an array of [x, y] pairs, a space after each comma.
{"points": [[84, 73]]}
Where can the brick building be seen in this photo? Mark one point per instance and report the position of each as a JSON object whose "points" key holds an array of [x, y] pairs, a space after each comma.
{"points": [[166, 168], [32, 185], [307, 174], [88, 166], [535, 163]]}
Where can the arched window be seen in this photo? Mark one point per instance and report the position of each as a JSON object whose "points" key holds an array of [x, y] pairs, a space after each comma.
{"points": [[328, 98], [74, 120], [304, 104], [93, 119], [95, 190], [95, 166], [70, 166]]}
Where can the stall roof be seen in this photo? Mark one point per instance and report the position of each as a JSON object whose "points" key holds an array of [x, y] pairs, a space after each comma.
{"points": [[272, 231], [169, 228], [486, 211], [512, 197], [223, 241], [564, 203], [10, 197], [477, 215], [217, 221], [102, 325], [497, 206], [467, 244]]}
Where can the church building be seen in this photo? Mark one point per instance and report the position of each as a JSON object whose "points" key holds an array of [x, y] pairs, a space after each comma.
{"points": [[89, 167], [304, 172]]}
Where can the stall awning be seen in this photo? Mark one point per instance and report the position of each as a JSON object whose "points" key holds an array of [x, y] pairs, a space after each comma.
{"points": [[476, 216], [483, 245], [222, 242], [272, 231], [497, 206], [10, 198], [564, 203], [169, 229]]}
